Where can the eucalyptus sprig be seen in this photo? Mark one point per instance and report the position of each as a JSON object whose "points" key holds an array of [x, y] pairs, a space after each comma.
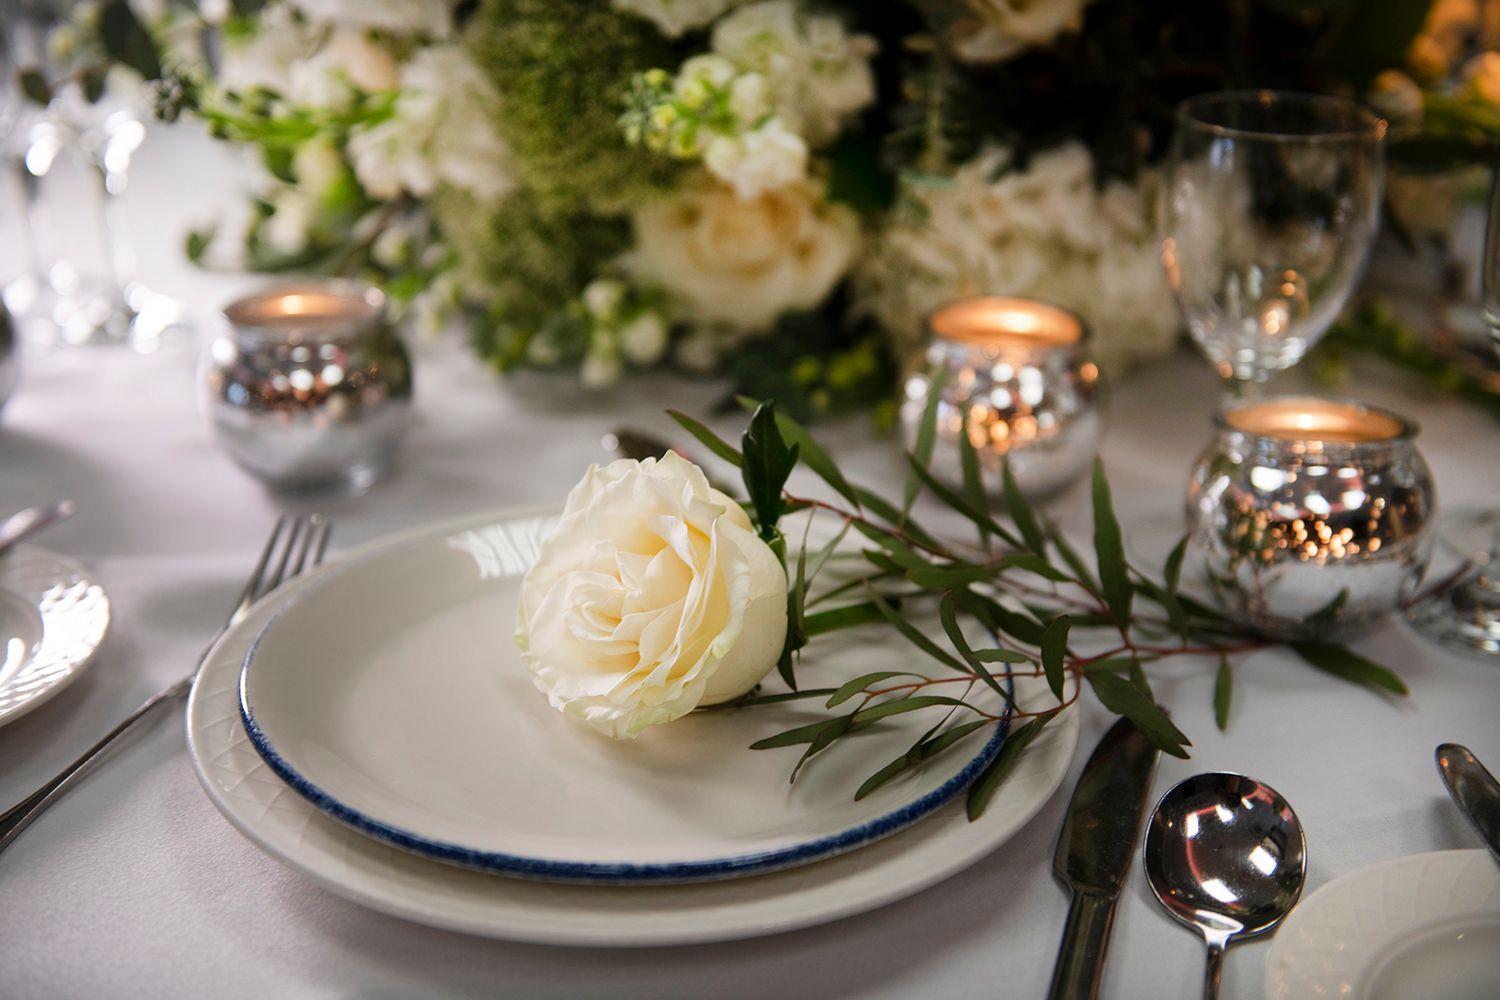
{"points": [[1040, 602]]}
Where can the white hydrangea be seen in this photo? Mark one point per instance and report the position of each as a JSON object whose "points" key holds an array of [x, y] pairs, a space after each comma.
{"points": [[1001, 29], [441, 132], [426, 17], [1045, 232], [742, 263], [674, 17], [816, 72], [768, 158]]}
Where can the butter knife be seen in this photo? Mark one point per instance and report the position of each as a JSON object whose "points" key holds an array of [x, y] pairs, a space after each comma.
{"points": [[1475, 790], [1094, 852]]}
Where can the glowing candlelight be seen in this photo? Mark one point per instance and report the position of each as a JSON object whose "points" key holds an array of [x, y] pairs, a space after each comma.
{"points": [[311, 308], [1312, 419], [1003, 321]]}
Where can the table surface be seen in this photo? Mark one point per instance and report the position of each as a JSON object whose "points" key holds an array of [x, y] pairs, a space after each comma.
{"points": [[135, 886]]}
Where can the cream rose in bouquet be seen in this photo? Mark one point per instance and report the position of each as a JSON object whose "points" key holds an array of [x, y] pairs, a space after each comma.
{"points": [[654, 595]]}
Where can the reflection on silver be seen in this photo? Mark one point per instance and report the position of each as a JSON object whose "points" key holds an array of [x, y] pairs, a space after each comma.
{"points": [[10, 367], [1036, 405], [1310, 537], [309, 401], [507, 549]]}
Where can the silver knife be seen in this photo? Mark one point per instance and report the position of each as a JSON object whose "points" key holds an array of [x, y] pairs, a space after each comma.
{"points": [[1475, 790], [1094, 851]]}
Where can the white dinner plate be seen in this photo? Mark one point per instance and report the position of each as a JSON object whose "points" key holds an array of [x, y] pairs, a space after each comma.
{"points": [[53, 616], [392, 696], [394, 881], [1425, 926]]}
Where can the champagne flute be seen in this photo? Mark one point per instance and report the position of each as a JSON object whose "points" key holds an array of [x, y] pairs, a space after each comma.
{"points": [[1467, 615], [1272, 206]]}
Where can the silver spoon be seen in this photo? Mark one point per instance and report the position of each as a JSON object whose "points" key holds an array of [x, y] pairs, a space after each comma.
{"points": [[1225, 855], [23, 524]]}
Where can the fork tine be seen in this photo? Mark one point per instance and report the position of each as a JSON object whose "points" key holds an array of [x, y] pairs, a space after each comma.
{"points": [[322, 547], [252, 586], [313, 528], [273, 580]]}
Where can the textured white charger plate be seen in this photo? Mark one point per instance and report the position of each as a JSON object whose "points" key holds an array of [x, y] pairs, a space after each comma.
{"points": [[53, 616], [1425, 926], [392, 696], [385, 878]]}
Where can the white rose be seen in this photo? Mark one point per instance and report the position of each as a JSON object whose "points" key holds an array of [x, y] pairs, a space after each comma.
{"points": [[764, 160], [1001, 29], [644, 338], [603, 297], [674, 17], [653, 596], [743, 263], [430, 17]]}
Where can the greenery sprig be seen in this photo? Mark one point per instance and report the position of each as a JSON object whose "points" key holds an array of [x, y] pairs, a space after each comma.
{"points": [[1050, 612]]}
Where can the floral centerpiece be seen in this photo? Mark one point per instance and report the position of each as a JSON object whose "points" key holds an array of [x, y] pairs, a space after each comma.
{"points": [[775, 190]]}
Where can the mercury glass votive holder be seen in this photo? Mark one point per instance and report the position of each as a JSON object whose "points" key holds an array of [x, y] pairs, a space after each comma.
{"points": [[1310, 516], [1018, 379], [308, 387]]}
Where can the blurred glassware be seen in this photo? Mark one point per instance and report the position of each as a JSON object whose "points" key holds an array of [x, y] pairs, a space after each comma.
{"points": [[10, 365], [1467, 615], [1310, 516], [1020, 381], [308, 387], [1271, 210], [92, 113]]}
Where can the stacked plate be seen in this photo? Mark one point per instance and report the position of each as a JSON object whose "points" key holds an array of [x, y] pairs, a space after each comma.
{"points": [[373, 727]]}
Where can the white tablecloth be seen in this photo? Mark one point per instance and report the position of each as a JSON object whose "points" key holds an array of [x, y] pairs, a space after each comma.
{"points": [[134, 886]]}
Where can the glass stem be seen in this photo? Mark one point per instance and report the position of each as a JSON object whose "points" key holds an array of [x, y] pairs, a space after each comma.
{"points": [[118, 262]]}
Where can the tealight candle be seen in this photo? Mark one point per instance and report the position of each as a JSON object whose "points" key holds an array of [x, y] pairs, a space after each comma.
{"points": [[1310, 515], [1019, 381], [308, 387]]}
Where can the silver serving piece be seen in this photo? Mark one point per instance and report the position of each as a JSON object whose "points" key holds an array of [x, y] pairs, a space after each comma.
{"points": [[1475, 791], [10, 365], [1018, 378], [1094, 850], [1310, 515], [1225, 856], [308, 386]]}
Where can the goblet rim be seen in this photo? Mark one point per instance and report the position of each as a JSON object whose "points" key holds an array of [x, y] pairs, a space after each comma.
{"points": [[1406, 430], [1360, 124]]}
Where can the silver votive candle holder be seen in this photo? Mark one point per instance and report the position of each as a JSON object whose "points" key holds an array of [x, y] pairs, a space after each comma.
{"points": [[1310, 516], [307, 386], [1017, 378]]}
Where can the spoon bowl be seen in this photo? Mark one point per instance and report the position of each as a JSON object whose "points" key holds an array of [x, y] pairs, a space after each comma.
{"points": [[1225, 855]]}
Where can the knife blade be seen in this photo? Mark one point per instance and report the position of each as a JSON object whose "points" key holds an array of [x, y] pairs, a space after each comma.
{"points": [[1475, 790], [1094, 851]]}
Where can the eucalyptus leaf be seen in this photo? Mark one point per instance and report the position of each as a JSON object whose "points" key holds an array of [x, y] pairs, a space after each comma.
{"points": [[921, 452], [848, 616], [1070, 555], [958, 503], [1172, 570], [767, 464], [888, 512], [1122, 697], [797, 735], [1021, 512], [708, 438], [913, 703], [824, 739], [914, 635], [990, 779], [1223, 694], [858, 684], [948, 614], [1109, 551], [1342, 662], [973, 479], [127, 41], [1054, 652], [922, 752]]}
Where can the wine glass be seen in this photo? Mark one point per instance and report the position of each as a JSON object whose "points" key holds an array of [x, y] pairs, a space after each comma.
{"points": [[1467, 614], [1271, 209]]}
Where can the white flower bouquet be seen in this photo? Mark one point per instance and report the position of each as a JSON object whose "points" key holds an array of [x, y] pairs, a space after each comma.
{"points": [[776, 190]]}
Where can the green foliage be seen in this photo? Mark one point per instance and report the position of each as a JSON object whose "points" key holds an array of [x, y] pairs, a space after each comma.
{"points": [[563, 70]]}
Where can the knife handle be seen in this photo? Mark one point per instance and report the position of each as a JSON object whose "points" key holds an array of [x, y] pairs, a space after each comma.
{"points": [[1080, 961]]}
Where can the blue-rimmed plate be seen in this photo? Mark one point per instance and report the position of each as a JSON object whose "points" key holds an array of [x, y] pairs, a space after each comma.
{"points": [[391, 696]]}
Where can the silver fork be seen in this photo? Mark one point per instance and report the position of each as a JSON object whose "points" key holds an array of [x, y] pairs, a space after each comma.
{"points": [[296, 543]]}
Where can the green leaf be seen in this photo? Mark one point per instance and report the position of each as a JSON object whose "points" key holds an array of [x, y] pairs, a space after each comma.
{"points": [[766, 699], [948, 613], [923, 751], [92, 79], [821, 622], [972, 477], [904, 555], [1021, 512], [1327, 615], [1223, 694], [35, 86], [1037, 565], [1109, 551], [943, 577], [1172, 570], [991, 777], [998, 618], [1054, 652], [127, 41], [921, 452], [888, 512], [1138, 677], [858, 684], [1342, 662], [1170, 603], [1001, 656], [708, 438], [1070, 556], [815, 458], [798, 735], [913, 635], [1122, 697], [824, 739], [767, 464], [958, 503], [900, 706]]}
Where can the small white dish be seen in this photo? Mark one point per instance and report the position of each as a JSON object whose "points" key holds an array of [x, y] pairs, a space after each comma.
{"points": [[374, 874], [1423, 926], [53, 616], [391, 695]]}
